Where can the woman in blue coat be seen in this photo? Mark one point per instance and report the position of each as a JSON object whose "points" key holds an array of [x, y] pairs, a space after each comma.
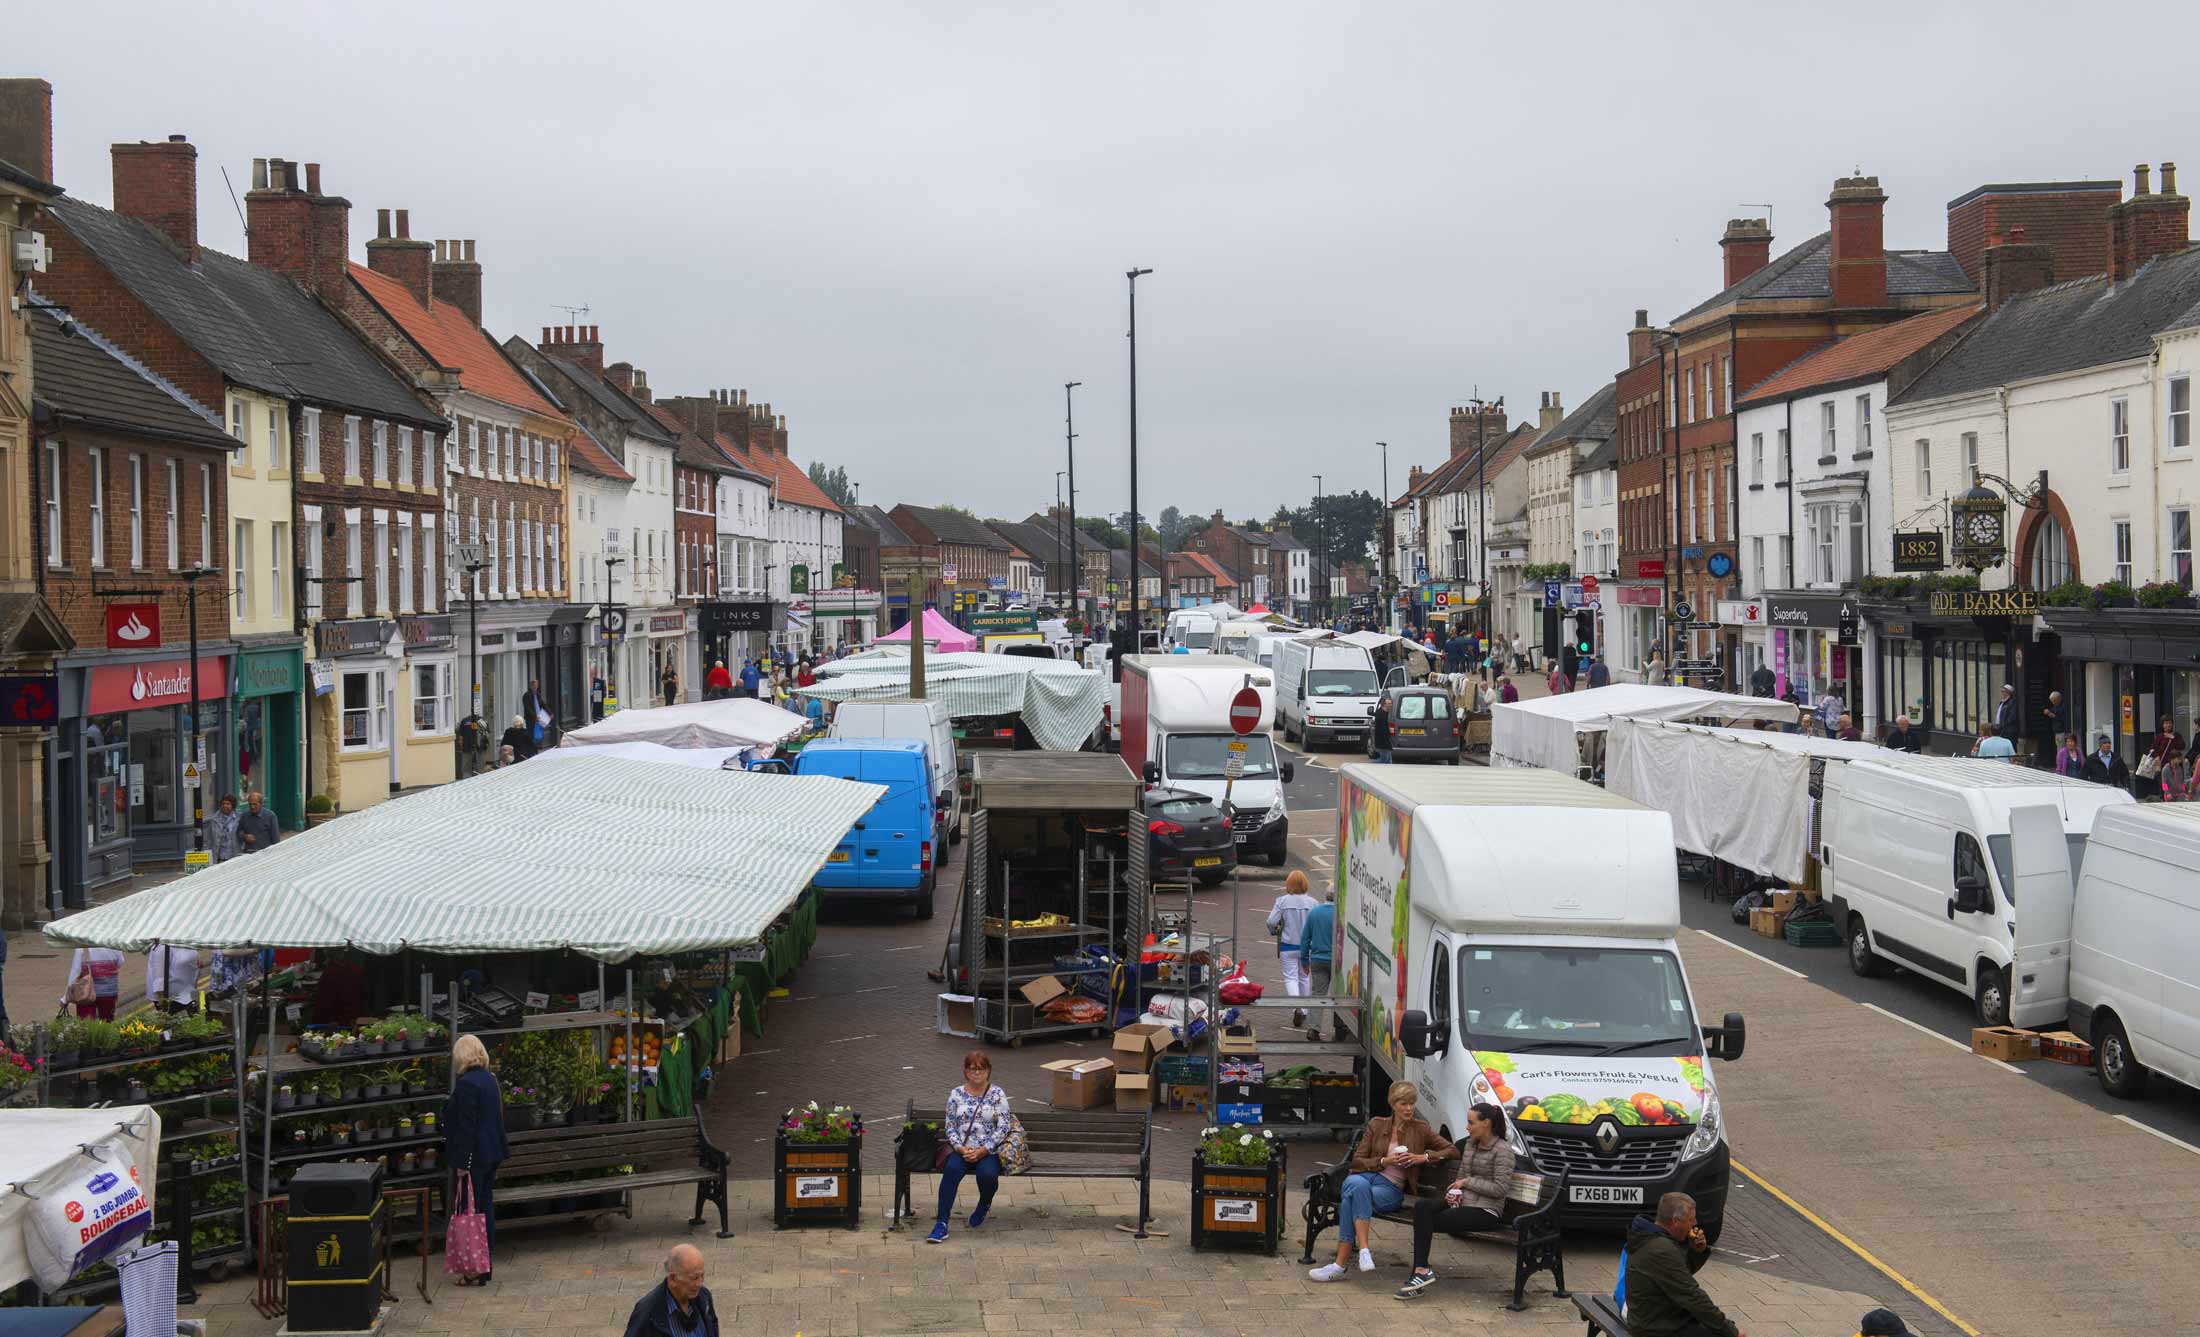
{"points": [[473, 1133]]}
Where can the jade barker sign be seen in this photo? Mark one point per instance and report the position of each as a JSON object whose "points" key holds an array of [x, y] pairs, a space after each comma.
{"points": [[1986, 603]]}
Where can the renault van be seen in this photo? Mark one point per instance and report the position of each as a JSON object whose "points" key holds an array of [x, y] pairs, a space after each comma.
{"points": [[1325, 691], [888, 854]]}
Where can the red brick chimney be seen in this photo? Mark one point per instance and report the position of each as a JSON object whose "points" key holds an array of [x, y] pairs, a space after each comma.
{"points": [[1747, 246], [630, 379], [2148, 224], [2010, 267], [580, 345], [398, 255], [1463, 431], [456, 277], [1857, 264], [159, 184], [1640, 338], [293, 230], [331, 234], [26, 125], [1413, 479]]}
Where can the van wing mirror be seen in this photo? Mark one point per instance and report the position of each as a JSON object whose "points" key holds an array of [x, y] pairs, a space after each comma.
{"points": [[1725, 1042], [1970, 896], [1152, 772], [1418, 1037], [1288, 772]]}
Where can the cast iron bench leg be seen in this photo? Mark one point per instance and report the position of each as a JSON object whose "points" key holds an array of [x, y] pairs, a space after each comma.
{"points": [[702, 1193]]}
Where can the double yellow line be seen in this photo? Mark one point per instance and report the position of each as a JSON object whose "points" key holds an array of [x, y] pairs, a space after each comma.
{"points": [[1859, 1250]]}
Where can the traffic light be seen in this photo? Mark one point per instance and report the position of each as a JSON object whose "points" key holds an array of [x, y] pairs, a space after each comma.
{"points": [[1585, 633]]}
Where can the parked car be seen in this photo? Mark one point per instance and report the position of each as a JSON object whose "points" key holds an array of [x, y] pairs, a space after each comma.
{"points": [[1189, 837], [1423, 725], [888, 853]]}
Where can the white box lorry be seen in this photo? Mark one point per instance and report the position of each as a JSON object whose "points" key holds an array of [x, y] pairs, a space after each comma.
{"points": [[1176, 732], [1510, 937]]}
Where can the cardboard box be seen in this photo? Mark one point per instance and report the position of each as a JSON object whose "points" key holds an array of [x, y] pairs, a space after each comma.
{"points": [[1783, 901], [1138, 1045], [958, 1015], [2007, 1043], [1082, 1084], [1134, 1092], [2065, 1047], [1237, 1040], [1180, 1097], [1768, 923], [1043, 990]]}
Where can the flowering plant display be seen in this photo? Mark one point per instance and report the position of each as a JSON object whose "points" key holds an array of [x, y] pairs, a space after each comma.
{"points": [[1236, 1145], [815, 1123]]}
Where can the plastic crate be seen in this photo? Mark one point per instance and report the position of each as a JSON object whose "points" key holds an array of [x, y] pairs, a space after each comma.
{"points": [[1183, 1070], [1285, 1104], [1813, 933], [1335, 1098]]}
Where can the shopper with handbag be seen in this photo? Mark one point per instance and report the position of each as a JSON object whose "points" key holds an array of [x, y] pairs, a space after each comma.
{"points": [[94, 982], [2165, 748], [473, 1146], [977, 1124], [1386, 1168]]}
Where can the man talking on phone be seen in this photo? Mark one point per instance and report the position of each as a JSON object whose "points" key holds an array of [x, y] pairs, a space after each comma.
{"points": [[1663, 1257]]}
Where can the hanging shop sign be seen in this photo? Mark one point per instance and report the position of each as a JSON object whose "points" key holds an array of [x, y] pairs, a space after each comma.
{"points": [[133, 626], [1980, 521], [1642, 596], [1923, 550], [1986, 603], [1649, 568], [351, 636], [798, 579]]}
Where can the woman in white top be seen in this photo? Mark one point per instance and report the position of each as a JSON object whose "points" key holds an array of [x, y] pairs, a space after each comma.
{"points": [[104, 967]]}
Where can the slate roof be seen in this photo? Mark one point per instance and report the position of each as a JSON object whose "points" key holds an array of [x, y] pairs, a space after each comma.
{"points": [[2086, 322], [261, 330], [590, 456], [603, 394], [890, 535], [27, 180], [1039, 542], [1605, 456], [1805, 271], [446, 335], [954, 527], [1085, 542], [1860, 356], [1595, 420], [1285, 540], [83, 378], [688, 448]]}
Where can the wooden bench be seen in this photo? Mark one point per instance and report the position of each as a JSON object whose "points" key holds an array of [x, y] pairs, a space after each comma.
{"points": [[1533, 1232], [1601, 1314], [657, 1154], [1065, 1144]]}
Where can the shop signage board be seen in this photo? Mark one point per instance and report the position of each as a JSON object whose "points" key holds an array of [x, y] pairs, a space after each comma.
{"points": [[660, 623], [1649, 568], [614, 621], [950, 572], [1805, 610], [1922, 550], [133, 626], [1848, 630], [165, 682], [267, 674], [1003, 622], [30, 700], [426, 631], [1986, 603], [798, 579], [1741, 612], [723, 618], [323, 676], [1641, 596], [1553, 592], [351, 636]]}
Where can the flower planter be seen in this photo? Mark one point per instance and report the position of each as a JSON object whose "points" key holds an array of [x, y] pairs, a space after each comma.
{"points": [[519, 1118], [61, 1058], [1239, 1206], [817, 1183]]}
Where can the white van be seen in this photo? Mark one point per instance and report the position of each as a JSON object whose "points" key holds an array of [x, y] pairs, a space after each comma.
{"points": [[925, 721], [1176, 732], [1325, 691], [1192, 628], [1511, 934], [2135, 946], [1917, 861]]}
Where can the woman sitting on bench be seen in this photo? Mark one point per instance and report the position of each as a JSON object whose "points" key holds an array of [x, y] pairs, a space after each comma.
{"points": [[1386, 1166], [978, 1120], [1476, 1200]]}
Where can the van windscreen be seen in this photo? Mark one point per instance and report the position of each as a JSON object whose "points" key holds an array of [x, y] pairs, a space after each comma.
{"points": [[1589, 1000]]}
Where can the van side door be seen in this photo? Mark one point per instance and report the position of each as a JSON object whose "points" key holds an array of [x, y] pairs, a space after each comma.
{"points": [[2039, 859], [1444, 1086]]}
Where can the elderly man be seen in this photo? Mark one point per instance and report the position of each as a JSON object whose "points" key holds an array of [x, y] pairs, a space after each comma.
{"points": [[678, 1306], [1903, 738], [256, 826], [1663, 1256], [2005, 714]]}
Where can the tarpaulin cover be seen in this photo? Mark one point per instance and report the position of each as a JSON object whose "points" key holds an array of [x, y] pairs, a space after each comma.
{"points": [[734, 721], [41, 1154], [1735, 794], [599, 855], [1060, 703], [1543, 732]]}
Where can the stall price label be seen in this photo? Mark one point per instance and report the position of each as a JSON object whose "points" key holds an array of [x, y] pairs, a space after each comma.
{"points": [[296, 1012], [439, 1000], [591, 1001], [538, 1001]]}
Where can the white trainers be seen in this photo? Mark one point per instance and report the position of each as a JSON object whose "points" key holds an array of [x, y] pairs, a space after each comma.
{"points": [[1327, 1272], [1367, 1260]]}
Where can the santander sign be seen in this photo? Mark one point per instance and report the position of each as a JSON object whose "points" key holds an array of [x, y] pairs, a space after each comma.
{"points": [[162, 682]]}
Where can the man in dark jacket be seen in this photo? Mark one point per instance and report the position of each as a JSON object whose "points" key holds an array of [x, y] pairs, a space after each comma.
{"points": [[1378, 736], [1663, 1257], [256, 827], [1903, 738], [1762, 680], [2103, 766], [2005, 714], [678, 1306]]}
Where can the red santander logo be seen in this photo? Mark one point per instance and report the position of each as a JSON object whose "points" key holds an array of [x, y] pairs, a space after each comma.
{"points": [[133, 626]]}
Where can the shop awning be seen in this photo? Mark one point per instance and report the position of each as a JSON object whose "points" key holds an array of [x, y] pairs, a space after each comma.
{"points": [[1060, 703], [735, 721], [603, 856], [1543, 732]]}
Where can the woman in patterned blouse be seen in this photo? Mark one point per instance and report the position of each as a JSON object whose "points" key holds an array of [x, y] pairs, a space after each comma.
{"points": [[978, 1116]]}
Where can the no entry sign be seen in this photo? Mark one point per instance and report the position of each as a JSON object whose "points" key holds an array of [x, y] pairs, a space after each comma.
{"points": [[1245, 711]]}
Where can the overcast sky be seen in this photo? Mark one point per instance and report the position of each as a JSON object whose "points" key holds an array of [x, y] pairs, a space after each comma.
{"points": [[907, 226]]}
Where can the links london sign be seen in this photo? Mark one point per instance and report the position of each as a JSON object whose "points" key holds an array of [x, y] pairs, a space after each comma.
{"points": [[1986, 603]]}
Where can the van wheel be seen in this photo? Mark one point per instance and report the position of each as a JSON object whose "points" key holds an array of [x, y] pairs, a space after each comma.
{"points": [[954, 831], [1279, 858], [1993, 996], [926, 897], [1861, 958], [2121, 1075]]}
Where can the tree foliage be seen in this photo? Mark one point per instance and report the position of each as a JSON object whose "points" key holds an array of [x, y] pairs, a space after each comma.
{"points": [[1099, 528], [1342, 527], [833, 482]]}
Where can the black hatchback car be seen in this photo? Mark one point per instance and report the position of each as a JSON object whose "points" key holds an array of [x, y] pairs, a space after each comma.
{"points": [[1423, 725], [1188, 837]]}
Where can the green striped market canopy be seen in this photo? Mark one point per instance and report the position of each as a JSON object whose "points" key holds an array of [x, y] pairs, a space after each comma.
{"points": [[604, 856], [1060, 702]]}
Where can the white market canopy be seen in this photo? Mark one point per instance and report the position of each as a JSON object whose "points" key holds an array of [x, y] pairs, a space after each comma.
{"points": [[1060, 703], [735, 721], [1545, 731], [694, 758], [42, 1154], [1741, 795], [603, 856]]}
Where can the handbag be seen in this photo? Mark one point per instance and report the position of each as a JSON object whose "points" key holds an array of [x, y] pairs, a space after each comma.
{"points": [[2150, 766], [466, 1243], [1015, 1150], [83, 990]]}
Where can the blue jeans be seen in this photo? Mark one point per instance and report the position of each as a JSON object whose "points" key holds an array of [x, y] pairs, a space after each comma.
{"points": [[1364, 1196], [988, 1170]]}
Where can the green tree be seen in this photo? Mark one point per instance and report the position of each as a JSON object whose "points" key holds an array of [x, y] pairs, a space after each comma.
{"points": [[833, 482], [1343, 527], [1099, 528], [964, 511], [1174, 528]]}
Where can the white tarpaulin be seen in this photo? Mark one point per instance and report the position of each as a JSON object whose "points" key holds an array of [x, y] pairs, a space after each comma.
{"points": [[1545, 731], [42, 1155], [1735, 794], [1060, 703], [696, 758], [735, 721]]}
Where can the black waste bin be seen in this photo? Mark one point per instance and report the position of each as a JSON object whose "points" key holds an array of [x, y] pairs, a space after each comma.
{"points": [[335, 1266]]}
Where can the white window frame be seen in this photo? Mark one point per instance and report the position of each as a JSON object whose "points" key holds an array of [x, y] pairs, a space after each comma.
{"points": [[439, 677], [404, 456], [1756, 459], [554, 449], [473, 448], [137, 512], [1863, 425], [240, 569], [206, 515], [1726, 376], [312, 429], [1691, 396], [381, 453], [1787, 561], [53, 504], [553, 556], [2177, 429], [430, 552], [496, 550], [274, 439], [1672, 399], [1925, 468], [355, 588], [1688, 502], [1710, 405], [174, 476], [1829, 430], [2119, 436], [1780, 458], [97, 509], [381, 539], [351, 448], [374, 715], [278, 547], [1757, 563], [1970, 460], [404, 561], [2169, 534], [315, 536], [2121, 529], [239, 424]]}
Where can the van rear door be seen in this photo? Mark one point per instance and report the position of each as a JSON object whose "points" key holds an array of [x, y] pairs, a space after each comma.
{"points": [[890, 844], [2039, 857]]}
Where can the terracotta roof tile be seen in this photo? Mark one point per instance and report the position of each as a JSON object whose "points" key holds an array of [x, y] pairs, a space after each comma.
{"points": [[1213, 568], [585, 453], [443, 331], [1874, 352]]}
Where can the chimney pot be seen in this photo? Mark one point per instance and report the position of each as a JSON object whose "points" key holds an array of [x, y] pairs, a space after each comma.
{"points": [[2139, 185], [381, 222], [404, 223], [469, 248], [2169, 178], [546, 334], [259, 174], [175, 139], [313, 177]]}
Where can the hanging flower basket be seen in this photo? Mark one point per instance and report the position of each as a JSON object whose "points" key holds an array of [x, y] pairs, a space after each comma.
{"points": [[1238, 1177], [817, 1168]]}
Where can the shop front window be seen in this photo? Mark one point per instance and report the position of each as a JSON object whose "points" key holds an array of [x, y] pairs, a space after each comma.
{"points": [[432, 698], [106, 779], [366, 711]]}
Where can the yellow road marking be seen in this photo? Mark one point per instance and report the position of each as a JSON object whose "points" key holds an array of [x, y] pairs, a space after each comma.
{"points": [[1859, 1250]]}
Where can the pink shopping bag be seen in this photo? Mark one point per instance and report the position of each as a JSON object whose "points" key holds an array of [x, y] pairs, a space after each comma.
{"points": [[466, 1244]]}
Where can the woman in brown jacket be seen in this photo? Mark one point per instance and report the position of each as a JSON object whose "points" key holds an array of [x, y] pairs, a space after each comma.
{"points": [[1386, 1167]]}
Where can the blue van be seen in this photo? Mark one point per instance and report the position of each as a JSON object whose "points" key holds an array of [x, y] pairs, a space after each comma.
{"points": [[887, 854]]}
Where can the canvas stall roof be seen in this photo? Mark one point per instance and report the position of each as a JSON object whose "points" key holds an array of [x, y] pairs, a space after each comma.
{"points": [[936, 629], [1543, 732], [1059, 702], [733, 722], [694, 758], [598, 855]]}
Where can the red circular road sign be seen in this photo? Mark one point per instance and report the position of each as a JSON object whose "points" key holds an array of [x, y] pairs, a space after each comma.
{"points": [[1245, 711]]}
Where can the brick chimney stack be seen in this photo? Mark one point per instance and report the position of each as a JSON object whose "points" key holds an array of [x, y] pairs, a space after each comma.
{"points": [[1747, 246], [456, 277], [2011, 267], [1640, 338], [1464, 436], [26, 125], [158, 184], [2148, 224], [397, 254], [1552, 413], [1413, 479], [581, 345], [1858, 262]]}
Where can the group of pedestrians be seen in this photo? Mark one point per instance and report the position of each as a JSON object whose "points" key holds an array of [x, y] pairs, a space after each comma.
{"points": [[1304, 928]]}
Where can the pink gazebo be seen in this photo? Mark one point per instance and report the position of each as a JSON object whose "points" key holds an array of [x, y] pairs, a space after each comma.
{"points": [[938, 631]]}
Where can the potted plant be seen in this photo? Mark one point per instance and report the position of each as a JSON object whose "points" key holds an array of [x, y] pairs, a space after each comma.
{"points": [[64, 1043], [415, 1079], [1238, 1188], [817, 1167], [319, 810], [286, 1097], [100, 1040], [520, 1105], [427, 1124]]}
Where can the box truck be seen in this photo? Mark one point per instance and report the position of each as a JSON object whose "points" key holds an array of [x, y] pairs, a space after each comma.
{"points": [[1510, 938], [1175, 731]]}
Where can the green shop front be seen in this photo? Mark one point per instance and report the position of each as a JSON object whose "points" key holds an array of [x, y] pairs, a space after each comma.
{"points": [[265, 694]]}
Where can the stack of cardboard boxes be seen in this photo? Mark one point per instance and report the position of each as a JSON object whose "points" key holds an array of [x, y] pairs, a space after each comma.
{"points": [[1125, 1077]]}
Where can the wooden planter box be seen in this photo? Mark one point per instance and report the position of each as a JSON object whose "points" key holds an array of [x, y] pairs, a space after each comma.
{"points": [[817, 1183], [1239, 1205]]}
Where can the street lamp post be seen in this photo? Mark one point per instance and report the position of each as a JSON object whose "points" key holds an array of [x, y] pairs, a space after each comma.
{"points": [[1133, 276], [1061, 541], [611, 567], [1382, 586], [1069, 526], [1321, 532]]}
